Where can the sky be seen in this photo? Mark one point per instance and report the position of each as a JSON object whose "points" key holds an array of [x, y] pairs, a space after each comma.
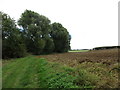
{"points": [[91, 23]]}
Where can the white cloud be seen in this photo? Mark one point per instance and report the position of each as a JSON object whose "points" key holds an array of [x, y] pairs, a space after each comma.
{"points": [[90, 22]]}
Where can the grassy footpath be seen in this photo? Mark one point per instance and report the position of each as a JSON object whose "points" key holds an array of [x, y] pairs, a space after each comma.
{"points": [[20, 73], [34, 72]]}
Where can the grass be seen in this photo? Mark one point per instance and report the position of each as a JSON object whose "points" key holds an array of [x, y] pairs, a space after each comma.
{"points": [[0, 73], [34, 72], [20, 73], [78, 51], [106, 76]]}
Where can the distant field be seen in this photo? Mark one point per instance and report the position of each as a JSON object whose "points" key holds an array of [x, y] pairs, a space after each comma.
{"points": [[78, 50], [108, 57], [93, 69]]}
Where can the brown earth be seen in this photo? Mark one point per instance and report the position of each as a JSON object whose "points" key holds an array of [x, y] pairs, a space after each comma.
{"points": [[107, 57], [101, 63]]}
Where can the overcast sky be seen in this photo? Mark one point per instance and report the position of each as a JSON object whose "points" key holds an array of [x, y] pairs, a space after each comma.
{"points": [[91, 23]]}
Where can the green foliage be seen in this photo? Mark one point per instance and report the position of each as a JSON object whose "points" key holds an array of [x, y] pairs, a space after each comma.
{"points": [[35, 27], [38, 28], [49, 46], [33, 72], [12, 44], [36, 35], [60, 37], [42, 37], [39, 46], [57, 77]]}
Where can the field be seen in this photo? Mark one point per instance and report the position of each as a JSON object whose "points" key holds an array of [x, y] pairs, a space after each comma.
{"points": [[92, 69], [78, 50], [107, 57]]}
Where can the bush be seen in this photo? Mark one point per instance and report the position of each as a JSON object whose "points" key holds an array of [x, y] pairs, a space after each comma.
{"points": [[86, 79]]}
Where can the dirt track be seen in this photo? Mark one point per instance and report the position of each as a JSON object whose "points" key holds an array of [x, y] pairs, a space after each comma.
{"points": [[107, 57]]}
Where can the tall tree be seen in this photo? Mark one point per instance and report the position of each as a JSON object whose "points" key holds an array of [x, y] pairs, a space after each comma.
{"points": [[12, 45], [60, 37], [49, 46], [36, 29]]}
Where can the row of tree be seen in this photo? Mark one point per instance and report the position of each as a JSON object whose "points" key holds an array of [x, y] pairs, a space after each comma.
{"points": [[106, 47], [35, 35]]}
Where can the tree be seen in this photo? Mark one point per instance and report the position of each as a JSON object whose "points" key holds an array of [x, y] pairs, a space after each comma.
{"points": [[12, 45], [49, 46], [69, 42], [36, 29], [1, 34], [37, 35], [60, 37]]}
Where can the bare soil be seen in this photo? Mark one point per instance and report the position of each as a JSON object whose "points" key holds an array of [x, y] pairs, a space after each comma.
{"points": [[107, 57]]}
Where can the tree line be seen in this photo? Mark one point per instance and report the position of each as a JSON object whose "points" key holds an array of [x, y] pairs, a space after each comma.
{"points": [[106, 47], [33, 33]]}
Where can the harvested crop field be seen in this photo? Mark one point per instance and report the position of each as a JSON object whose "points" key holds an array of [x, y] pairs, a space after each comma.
{"points": [[107, 57], [102, 63]]}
